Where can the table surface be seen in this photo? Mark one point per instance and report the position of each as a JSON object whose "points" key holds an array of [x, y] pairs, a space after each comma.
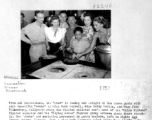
{"points": [[26, 70]]}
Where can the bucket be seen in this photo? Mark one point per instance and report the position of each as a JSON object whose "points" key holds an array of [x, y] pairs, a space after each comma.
{"points": [[104, 56]]}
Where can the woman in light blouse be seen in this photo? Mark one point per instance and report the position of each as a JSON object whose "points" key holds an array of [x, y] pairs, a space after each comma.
{"points": [[55, 36]]}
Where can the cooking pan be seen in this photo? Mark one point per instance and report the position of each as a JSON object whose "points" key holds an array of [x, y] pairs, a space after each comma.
{"points": [[70, 61], [47, 59]]}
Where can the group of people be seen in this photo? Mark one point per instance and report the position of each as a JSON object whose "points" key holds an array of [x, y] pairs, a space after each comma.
{"points": [[73, 40]]}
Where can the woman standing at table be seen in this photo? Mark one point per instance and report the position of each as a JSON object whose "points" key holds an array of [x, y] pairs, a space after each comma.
{"points": [[88, 34], [55, 36], [102, 34]]}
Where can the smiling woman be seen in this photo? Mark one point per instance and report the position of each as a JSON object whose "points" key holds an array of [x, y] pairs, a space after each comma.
{"points": [[55, 36]]}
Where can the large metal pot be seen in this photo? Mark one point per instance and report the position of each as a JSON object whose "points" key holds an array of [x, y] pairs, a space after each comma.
{"points": [[104, 56]]}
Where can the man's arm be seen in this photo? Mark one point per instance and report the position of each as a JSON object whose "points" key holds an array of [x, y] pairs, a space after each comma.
{"points": [[46, 43], [71, 42], [65, 40], [63, 44], [70, 48], [46, 38], [23, 36]]}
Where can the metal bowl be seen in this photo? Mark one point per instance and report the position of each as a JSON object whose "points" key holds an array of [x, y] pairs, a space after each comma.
{"points": [[70, 61], [104, 53], [104, 48], [47, 59]]}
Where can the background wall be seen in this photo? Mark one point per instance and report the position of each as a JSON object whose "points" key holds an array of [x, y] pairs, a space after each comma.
{"points": [[29, 15]]}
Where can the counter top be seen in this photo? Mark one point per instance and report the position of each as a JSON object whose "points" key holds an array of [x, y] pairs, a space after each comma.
{"points": [[28, 69]]}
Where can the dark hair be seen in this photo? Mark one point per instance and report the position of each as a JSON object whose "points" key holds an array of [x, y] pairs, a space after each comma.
{"points": [[39, 11], [54, 17], [78, 29], [47, 21], [71, 15], [51, 13], [63, 12], [22, 14], [88, 14], [102, 20]]}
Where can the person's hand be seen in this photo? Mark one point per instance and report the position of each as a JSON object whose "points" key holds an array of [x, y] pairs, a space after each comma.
{"points": [[61, 48], [48, 47], [74, 56], [63, 44], [70, 50], [78, 56]]}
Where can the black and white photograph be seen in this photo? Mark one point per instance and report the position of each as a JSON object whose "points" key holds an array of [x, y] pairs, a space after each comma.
{"points": [[58, 61], [65, 44]]}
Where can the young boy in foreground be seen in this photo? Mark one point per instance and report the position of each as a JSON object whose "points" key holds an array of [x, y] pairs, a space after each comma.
{"points": [[78, 44]]}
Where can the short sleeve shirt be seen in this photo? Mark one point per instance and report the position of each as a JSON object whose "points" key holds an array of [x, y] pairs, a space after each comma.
{"points": [[80, 46], [35, 32]]}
